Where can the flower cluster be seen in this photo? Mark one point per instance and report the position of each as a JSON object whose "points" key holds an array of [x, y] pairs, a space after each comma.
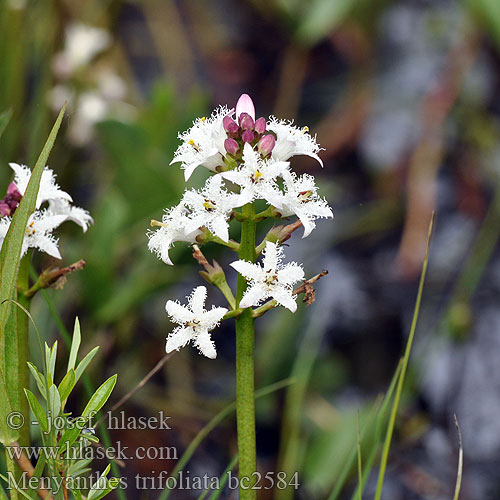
{"points": [[249, 158], [44, 220]]}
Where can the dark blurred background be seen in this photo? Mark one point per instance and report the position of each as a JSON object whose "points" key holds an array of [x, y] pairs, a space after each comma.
{"points": [[403, 96]]}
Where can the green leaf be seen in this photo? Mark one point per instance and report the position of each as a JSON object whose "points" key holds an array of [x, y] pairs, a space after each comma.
{"points": [[69, 436], [37, 410], [10, 254], [84, 363], [51, 362], [75, 345], [67, 384], [102, 486], [37, 473], [99, 398], [4, 120], [7, 434], [38, 379], [54, 403]]}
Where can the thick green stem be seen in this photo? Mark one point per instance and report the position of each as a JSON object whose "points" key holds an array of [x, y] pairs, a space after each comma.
{"points": [[245, 405]]}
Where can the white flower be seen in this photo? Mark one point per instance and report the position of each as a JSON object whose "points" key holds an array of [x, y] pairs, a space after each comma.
{"points": [[300, 198], [49, 190], [82, 43], [173, 228], [291, 141], [211, 207], [38, 232], [194, 323], [271, 279], [43, 221], [203, 143], [76, 214], [256, 176]]}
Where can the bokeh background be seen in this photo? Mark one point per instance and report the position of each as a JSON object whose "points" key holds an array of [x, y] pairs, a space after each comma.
{"points": [[403, 96]]}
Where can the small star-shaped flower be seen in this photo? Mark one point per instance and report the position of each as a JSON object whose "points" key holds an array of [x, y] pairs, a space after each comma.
{"points": [[300, 198], [271, 279], [38, 232], [203, 143], [292, 141], [49, 189], [172, 229], [195, 323], [211, 207], [43, 221], [256, 176]]}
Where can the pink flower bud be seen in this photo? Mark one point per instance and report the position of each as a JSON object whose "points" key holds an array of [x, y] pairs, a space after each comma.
{"points": [[4, 209], [246, 121], [14, 192], [260, 125], [230, 126], [231, 146], [245, 105], [247, 136], [266, 144]]}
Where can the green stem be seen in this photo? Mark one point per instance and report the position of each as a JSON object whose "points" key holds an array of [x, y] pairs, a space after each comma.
{"points": [[245, 405]]}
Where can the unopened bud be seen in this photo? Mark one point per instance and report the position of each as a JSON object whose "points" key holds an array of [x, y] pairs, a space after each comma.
{"points": [[246, 121], [247, 136], [4, 209], [245, 105], [231, 146], [14, 192], [260, 125], [266, 144], [230, 126]]}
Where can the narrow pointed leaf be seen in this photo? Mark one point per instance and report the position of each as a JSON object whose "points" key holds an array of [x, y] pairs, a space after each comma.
{"points": [[10, 254], [67, 384], [85, 362], [37, 410], [100, 397], [75, 345], [38, 379]]}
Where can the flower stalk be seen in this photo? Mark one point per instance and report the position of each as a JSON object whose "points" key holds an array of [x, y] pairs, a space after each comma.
{"points": [[245, 337]]}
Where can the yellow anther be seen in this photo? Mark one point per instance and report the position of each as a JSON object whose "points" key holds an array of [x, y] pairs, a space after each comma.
{"points": [[192, 143], [209, 205], [203, 118], [305, 196], [305, 129], [157, 223]]}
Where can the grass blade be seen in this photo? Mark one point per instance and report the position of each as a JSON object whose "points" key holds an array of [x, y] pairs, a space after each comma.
{"points": [[5, 117], [210, 426], [10, 255], [12, 245], [225, 478], [381, 410], [360, 465], [406, 357], [458, 484]]}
